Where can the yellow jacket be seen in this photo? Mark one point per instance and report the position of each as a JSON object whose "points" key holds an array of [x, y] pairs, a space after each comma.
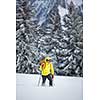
{"points": [[46, 68]]}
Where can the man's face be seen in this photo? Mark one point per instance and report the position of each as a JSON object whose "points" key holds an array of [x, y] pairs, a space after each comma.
{"points": [[48, 60]]}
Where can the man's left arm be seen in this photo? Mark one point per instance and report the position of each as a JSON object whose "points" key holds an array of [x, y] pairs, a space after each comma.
{"points": [[52, 70]]}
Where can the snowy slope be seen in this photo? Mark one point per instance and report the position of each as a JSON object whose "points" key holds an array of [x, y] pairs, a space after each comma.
{"points": [[42, 8], [65, 88], [62, 12], [76, 2]]}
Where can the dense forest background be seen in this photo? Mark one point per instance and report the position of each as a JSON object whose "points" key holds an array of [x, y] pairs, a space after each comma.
{"points": [[49, 28]]}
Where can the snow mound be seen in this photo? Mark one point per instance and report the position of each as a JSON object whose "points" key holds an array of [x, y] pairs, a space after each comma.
{"points": [[65, 88]]}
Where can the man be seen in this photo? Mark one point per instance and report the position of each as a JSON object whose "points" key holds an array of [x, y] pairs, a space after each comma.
{"points": [[47, 71]]}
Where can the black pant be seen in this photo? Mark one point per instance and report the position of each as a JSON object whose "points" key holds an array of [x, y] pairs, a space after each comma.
{"points": [[49, 77]]}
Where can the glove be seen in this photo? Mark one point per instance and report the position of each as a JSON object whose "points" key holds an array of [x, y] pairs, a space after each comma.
{"points": [[52, 76]]}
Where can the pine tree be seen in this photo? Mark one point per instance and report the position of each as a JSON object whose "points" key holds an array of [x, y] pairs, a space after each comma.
{"points": [[25, 35], [74, 30]]}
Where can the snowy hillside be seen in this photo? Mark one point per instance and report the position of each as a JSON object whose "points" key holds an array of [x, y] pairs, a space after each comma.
{"points": [[65, 88], [43, 7]]}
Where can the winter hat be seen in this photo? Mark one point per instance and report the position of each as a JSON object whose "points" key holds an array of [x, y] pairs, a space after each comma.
{"points": [[47, 58]]}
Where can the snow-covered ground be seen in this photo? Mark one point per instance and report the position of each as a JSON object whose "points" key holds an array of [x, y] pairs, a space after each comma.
{"points": [[65, 88]]}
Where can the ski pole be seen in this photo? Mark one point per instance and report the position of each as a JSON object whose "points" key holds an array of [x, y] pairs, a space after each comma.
{"points": [[53, 83], [39, 80]]}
